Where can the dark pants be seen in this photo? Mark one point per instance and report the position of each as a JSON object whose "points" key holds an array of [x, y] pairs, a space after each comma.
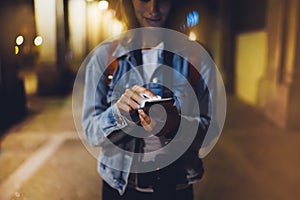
{"points": [[108, 193]]}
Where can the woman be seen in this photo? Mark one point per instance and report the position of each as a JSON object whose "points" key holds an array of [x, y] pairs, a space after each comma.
{"points": [[112, 114]]}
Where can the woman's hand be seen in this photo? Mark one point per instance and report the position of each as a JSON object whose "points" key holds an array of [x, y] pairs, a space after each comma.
{"points": [[147, 122], [132, 99], [169, 124]]}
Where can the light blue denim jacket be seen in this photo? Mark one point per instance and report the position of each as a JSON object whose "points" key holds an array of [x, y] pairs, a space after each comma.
{"points": [[102, 120]]}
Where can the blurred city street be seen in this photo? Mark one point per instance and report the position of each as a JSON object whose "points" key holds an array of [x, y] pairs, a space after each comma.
{"points": [[42, 157], [254, 44]]}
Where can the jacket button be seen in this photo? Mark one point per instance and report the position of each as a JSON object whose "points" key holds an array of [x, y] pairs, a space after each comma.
{"points": [[155, 80]]}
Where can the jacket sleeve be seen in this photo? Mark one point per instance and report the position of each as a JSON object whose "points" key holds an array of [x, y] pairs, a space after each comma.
{"points": [[99, 119], [204, 118]]}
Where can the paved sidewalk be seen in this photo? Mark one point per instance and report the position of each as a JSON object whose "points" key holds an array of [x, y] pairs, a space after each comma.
{"points": [[252, 160], [43, 158]]}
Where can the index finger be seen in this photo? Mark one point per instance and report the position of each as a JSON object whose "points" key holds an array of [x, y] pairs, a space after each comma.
{"points": [[142, 90]]}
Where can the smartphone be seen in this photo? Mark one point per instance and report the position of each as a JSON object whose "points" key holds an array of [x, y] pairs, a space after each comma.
{"points": [[167, 103]]}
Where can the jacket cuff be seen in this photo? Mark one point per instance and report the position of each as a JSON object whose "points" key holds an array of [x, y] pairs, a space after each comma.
{"points": [[121, 122]]}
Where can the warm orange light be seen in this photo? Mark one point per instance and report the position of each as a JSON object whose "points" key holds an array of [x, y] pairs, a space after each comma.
{"points": [[111, 13], [192, 36], [17, 50], [117, 27]]}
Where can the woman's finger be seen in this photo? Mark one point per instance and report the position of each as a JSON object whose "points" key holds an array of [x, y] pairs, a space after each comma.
{"points": [[142, 90], [146, 121], [130, 101], [146, 125], [135, 96]]}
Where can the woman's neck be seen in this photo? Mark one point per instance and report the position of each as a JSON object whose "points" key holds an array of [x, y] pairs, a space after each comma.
{"points": [[151, 40]]}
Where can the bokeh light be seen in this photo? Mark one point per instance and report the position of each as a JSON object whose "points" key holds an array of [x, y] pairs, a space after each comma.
{"points": [[17, 50], [19, 40], [192, 19], [103, 5], [192, 36], [38, 40]]}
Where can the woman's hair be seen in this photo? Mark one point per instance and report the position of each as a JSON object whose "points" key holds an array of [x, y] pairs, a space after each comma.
{"points": [[125, 13]]}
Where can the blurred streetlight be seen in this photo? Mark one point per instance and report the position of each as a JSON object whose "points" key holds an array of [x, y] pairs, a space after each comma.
{"points": [[38, 40], [17, 50], [103, 5], [19, 40], [192, 36]]}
